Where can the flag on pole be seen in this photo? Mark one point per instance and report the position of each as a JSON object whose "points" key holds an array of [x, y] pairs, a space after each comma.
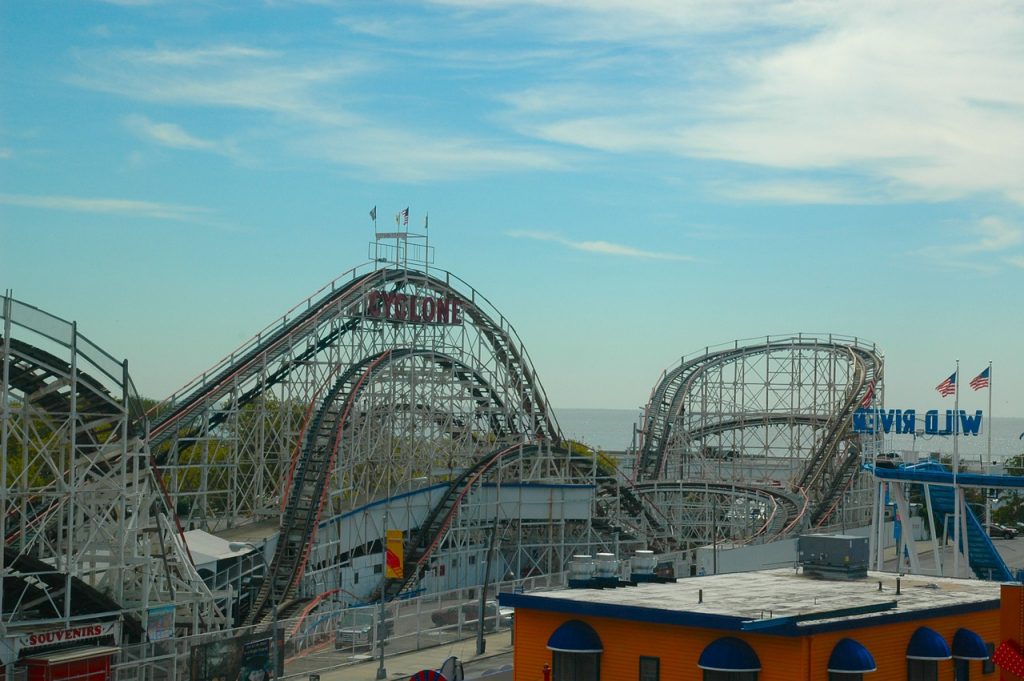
{"points": [[947, 387], [868, 396], [373, 214], [405, 215], [981, 380]]}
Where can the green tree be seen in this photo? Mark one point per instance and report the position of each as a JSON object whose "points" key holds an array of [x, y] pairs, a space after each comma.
{"points": [[1011, 503]]}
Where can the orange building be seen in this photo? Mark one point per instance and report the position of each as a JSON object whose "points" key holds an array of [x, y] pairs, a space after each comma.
{"points": [[775, 625]]}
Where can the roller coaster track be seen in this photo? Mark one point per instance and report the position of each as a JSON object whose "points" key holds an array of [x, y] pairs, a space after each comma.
{"points": [[46, 384], [40, 584], [275, 341], [788, 509], [669, 396], [308, 479], [432, 531]]}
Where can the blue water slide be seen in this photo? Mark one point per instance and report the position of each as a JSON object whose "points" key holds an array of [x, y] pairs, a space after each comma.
{"points": [[982, 554]]}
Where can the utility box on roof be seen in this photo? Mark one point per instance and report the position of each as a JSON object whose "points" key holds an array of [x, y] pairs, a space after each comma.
{"points": [[839, 556]]}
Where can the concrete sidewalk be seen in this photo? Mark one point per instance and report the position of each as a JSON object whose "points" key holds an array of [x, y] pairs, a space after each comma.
{"points": [[403, 665]]}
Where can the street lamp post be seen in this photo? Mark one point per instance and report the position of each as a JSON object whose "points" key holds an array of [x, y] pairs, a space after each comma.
{"points": [[274, 658]]}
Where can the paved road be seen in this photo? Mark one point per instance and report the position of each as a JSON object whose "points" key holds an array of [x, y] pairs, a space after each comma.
{"points": [[1012, 551], [498, 655]]}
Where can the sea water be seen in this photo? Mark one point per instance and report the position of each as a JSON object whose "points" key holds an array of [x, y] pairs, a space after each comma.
{"points": [[612, 430]]}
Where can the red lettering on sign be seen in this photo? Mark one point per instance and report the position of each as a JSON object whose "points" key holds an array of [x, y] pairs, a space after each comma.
{"points": [[428, 309], [389, 305], [414, 308], [374, 302]]}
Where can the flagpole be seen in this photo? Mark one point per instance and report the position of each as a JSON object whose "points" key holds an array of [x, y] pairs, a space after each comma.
{"points": [[988, 457], [957, 498], [989, 429]]}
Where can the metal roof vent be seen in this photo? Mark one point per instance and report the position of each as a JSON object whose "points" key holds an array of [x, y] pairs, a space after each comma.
{"points": [[606, 570], [641, 566], [581, 572]]}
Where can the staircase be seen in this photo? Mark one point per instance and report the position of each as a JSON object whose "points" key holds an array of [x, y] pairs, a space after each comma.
{"points": [[983, 557]]}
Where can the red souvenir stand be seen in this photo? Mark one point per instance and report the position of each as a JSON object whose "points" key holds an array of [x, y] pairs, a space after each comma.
{"points": [[85, 663]]}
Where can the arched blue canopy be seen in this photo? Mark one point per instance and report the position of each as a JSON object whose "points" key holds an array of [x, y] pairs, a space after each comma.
{"points": [[850, 657], [575, 637], [967, 645], [729, 654], [927, 644]]}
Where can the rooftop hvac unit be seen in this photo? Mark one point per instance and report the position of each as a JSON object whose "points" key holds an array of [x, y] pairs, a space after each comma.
{"points": [[836, 556]]}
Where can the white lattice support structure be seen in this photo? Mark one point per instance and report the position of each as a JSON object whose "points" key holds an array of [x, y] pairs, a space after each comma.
{"points": [[765, 413], [82, 540]]}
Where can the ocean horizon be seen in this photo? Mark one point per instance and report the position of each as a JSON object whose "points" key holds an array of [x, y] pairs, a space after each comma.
{"points": [[612, 430]]}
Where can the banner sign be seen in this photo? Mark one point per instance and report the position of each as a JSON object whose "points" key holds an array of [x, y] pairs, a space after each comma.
{"points": [[395, 555], [244, 658], [34, 639], [160, 623], [903, 422]]}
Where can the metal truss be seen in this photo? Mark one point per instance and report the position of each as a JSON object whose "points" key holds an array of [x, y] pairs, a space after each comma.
{"points": [[761, 414], [87, 533]]}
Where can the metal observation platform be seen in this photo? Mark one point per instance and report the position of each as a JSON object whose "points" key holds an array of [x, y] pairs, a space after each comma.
{"points": [[395, 397]]}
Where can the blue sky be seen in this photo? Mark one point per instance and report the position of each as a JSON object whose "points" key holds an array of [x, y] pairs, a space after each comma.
{"points": [[627, 181]]}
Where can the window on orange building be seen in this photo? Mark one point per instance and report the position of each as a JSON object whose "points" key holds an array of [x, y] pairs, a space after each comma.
{"points": [[924, 652], [922, 670], [729, 659], [575, 666], [849, 661], [650, 668], [575, 652]]}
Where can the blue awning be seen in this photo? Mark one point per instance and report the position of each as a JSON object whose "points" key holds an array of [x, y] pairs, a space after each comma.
{"points": [[927, 644], [729, 654], [575, 637], [967, 645], [850, 657]]}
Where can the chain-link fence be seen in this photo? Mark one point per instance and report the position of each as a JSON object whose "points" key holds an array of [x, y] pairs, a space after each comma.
{"points": [[326, 638]]}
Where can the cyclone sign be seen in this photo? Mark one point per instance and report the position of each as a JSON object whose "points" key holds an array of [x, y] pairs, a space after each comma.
{"points": [[403, 307]]}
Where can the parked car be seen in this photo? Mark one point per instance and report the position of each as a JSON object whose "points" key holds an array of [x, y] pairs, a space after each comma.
{"points": [[997, 530], [494, 615], [356, 628]]}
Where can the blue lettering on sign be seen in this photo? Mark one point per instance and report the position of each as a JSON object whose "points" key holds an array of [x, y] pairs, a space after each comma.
{"points": [[861, 423], [903, 421], [969, 425], [906, 424]]}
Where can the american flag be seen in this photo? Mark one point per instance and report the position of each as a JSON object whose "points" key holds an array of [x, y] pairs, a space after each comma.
{"points": [[981, 380], [405, 215], [868, 396], [947, 387]]}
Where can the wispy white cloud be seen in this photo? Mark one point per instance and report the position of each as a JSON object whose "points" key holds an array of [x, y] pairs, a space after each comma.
{"points": [[991, 236], [994, 235], [224, 76], [795, 191], [6, 153], [127, 207], [602, 247], [924, 102], [308, 98], [174, 136]]}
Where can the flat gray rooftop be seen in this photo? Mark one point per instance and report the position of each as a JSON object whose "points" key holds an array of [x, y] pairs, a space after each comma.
{"points": [[782, 595]]}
